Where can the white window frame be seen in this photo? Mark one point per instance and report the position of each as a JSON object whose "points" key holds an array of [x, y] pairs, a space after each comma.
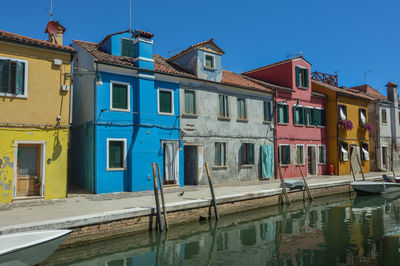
{"points": [[228, 115], [304, 154], [322, 145], [381, 115], [213, 56], [300, 85], [225, 157], [279, 154], [25, 95], [184, 102], [125, 152], [128, 95], [282, 123], [304, 117], [172, 101], [42, 143]]}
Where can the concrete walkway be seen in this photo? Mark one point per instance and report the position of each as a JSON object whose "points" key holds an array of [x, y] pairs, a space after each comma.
{"points": [[79, 209]]}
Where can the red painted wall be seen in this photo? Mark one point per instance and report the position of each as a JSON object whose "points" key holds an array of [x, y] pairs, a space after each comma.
{"points": [[285, 75]]}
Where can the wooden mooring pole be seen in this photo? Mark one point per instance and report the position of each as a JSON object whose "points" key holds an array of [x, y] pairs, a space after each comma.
{"points": [[162, 197], [283, 185], [359, 163], [310, 197], [159, 221], [212, 192], [352, 171]]}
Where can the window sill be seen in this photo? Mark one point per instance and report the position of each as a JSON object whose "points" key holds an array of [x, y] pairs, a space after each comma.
{"points": [[11, 95], [219, 167], [267, 122], [285, 165], [247, 166], [115, 169], [209, 68], [298, 125], [221, 118], [190, 115], [120, 110], [321, 163], [303, 88], [321, 126], [310, 126], [242, 120], [168, 114], [283, 124]]}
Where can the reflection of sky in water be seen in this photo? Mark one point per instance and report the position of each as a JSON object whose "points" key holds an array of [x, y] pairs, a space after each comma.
{"points": [[342, 232]]}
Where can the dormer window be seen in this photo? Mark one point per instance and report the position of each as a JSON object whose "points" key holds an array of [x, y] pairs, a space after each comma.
{"points": [[302, 77], [209, 61], [127, 48]]}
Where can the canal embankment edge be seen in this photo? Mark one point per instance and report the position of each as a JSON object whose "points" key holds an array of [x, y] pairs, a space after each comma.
{"points": [[105, 225]]}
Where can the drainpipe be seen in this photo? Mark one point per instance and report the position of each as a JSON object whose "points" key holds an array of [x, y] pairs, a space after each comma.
{"points": [[276, 151], [337, 138], [94, 131]]}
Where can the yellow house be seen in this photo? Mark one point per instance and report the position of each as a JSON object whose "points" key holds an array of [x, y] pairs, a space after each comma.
{"points": [[35, 116], [348, 128]]}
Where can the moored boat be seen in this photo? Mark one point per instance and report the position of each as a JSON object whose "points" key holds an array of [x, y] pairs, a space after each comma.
{"points": [[369, 187], [30, 248]]}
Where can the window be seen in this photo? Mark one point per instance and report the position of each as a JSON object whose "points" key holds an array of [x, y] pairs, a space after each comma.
{"points": [[364, 151], [127, 48], [220, 154], [363, 116], [268, 112], [116, 152], [300, 154], [284, 154], [301, 77], [399, 118], [384, 157], [13, 76], [342, 113], [223, 106], [165, 102], [318, 117], [190, 102], [309, 116], [247, 153], [119, 96], [298, 115], [282, 113], [241, 108], [344, 151], [209, 61], [384, 116], [321, 154]]}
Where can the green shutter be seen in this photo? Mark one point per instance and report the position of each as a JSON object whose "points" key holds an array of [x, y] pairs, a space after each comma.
{"points": [[265, 111], [286, 114], [323, 118], [306, 78], [301, 112], [116, 154], [287, 155], [295, 119], [297, 77], [251, 153], [278, 113], [4, 75], [221, 105], [127, 48], [165, 104], [119, 96], [217, 153], [190, 102]]}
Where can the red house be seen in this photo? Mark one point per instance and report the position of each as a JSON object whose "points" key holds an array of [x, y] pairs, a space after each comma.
{"points": [[300, 119]]}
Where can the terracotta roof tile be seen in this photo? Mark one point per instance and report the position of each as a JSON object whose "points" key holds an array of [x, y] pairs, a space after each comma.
{"points": [[368, 90], [344, 91], [275, 64], [194, 46], [8, 36]]}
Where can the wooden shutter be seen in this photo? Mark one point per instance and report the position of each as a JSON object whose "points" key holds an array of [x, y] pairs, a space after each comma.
{"points": [[217, 153], [119, 96], [190, 102], [4, 75], [301, 113], [294, 115], [127, 48], [19, 78], [286, 114], [278, 113], [297, 77], [306, 78], [323, 118], [251, 153]]}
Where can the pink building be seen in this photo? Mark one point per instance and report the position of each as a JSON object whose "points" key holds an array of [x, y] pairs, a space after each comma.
{"points": [[299, 118]]}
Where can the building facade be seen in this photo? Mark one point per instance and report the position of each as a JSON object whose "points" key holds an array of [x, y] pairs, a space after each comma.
{"points": [[127, 121], [35, 116], [300, 118]]}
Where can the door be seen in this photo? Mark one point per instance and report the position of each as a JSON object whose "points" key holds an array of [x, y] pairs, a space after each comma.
{"points": [[311, 160], [28, 170], [384, 158], [267, 161], [191, 165], [171, 162], [354, 158]]}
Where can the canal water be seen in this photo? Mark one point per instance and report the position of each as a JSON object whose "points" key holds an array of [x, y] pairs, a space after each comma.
{"points": [[340, 230]]}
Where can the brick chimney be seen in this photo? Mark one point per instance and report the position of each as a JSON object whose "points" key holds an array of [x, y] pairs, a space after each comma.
{"points": [[55, 32]]}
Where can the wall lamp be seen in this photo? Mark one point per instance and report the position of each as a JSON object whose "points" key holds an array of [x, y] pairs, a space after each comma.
{"points": [[99, 82]]}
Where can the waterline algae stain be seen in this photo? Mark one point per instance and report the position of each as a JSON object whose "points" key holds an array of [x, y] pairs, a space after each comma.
{"points": [[330, 231]]}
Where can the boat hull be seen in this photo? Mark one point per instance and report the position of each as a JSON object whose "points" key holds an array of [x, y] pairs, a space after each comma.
{"points": [[36, 251], [371, 188]]}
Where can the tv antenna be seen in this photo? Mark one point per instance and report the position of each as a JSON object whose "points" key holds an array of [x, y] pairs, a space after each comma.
{"points": [[51, 10], [293, 55], [365, 75], [130, 19], [173, 50]]}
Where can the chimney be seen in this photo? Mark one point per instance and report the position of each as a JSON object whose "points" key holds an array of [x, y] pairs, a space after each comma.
{"points": [[55, 32], [392, 92], [143, 47]]}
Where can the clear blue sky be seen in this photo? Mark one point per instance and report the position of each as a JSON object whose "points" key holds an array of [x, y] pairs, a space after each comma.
{"points": [[350, 36]]}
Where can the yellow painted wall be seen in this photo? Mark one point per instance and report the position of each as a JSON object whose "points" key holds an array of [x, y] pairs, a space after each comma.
{"points": [[44, 103], [335, 134]]}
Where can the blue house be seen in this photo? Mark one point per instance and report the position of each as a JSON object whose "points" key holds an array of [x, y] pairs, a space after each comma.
{"points": [[123, 118]]}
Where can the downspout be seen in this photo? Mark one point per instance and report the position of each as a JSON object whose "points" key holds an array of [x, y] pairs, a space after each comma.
{"points": [[94, 132], [275, 137], [377, 136], [337, 136], [71, 99]]}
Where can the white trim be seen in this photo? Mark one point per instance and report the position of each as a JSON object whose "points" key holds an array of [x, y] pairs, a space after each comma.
{"points": [[145, 76], [142, 39], [26, 69], [204, 65], [158, 101], [124, 159], [279, 154], [117, 70], [322, 145], [386, 110], [302, 61], [42, 143], [184, 102], [304, 161], [129, 96], [143, 59]]}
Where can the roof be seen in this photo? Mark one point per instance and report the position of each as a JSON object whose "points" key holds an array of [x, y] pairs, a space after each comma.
{"points": [[368, 90], [162, 65], [20, 39], [275, 64], [348, 92], [135, 33], [210, 41]]}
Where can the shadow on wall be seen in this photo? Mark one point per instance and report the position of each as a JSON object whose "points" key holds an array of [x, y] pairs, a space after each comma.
{"points": [[57, 148]]}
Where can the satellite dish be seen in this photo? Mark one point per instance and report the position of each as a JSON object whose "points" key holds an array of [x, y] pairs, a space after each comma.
{"points": [[53, 27]]}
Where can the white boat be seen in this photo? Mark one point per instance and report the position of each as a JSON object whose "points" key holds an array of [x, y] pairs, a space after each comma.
{"points": [[30, 248], [369, 187]]}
